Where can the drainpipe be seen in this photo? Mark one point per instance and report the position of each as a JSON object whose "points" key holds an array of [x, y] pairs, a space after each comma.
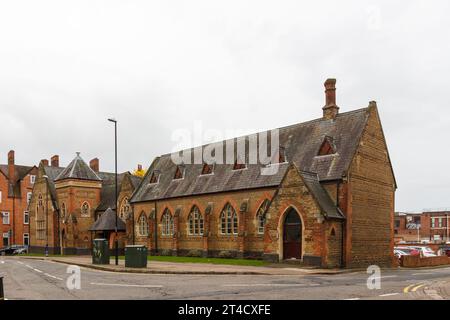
{"points": [[156, 228], [342, 226], [134, 225]]}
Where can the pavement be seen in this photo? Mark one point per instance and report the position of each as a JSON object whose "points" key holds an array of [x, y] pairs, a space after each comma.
{"points": [[26, 278], [159, 267]]}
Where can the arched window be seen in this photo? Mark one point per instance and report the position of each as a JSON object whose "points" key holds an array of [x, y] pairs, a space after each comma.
{"points": [[40, 201], [261, 216], [63, 210], [167, 223], [195, 222], [85, 209], [143, 229], [228, 220], [125, 209]]}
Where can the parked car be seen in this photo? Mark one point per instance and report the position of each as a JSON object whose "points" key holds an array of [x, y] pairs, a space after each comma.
{"points": [[20, 250], [445, 250], [408, 251], [425, 251], [13, 250], [399, 253]]}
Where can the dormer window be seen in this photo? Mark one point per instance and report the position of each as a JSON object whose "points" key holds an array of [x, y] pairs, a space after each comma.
{"points": [[179, 173], [327, 147], [154, 178], [239, 165], [207, 169]]}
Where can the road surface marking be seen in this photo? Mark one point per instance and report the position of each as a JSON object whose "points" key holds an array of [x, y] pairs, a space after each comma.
{"points": [[20, 262], [353, 299], [384, 277], [417, 287], [272, 285], [52, 276], [125, 285], [28, 266], [388, 294], [2, 262], [422, 273], [37, 270]]}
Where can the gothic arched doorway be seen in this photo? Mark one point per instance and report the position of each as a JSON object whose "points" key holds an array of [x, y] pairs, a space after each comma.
{"points": [[292, 235]]}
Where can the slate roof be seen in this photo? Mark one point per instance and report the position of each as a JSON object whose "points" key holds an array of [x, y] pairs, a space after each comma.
{"points": [[20, 171], [301, 143], [327, 205], [107, 194], [78, 169], [52, 173], [107, 222]]}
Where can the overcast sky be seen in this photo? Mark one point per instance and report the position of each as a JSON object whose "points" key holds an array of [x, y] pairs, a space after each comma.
{"points": [[158, 66]]}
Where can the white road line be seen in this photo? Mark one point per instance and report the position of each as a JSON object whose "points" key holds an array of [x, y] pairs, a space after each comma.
{"points": [[384, 277], [271, 285], [20, 262], [353, 299], [52, 276], [2, 262], [28, 266], [37, 270], [125, 285], [421, 273], [388, 294]]}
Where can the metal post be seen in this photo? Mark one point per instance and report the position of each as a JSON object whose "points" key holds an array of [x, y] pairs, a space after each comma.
{"points": [[116, 241], [46, 216], [2, 293]]}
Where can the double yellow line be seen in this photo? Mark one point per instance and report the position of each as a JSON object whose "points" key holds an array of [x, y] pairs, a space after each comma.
{"points": [[413, 287]]}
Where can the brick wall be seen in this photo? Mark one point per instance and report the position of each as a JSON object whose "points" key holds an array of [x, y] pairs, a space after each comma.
{"points": [[371, 197]]}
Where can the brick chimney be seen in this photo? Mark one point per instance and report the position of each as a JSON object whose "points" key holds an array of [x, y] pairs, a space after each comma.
{"points": [[330, 110], [94, 164], [11, 166], [44, 162], [55, 161]]}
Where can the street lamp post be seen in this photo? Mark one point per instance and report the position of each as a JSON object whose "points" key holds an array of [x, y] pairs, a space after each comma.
{"points": [[116, 241], [46, 215]]}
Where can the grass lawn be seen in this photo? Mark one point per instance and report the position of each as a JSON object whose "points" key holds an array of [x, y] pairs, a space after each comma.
{"points": [[239, 262]]}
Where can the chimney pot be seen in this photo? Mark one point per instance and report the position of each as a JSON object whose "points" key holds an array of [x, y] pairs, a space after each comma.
{"points": [[94, 164], [55, 161], [330, 110], [139, 167]]}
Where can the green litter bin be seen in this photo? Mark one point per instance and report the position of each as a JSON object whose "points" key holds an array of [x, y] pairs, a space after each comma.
{"points": [[136, 256], [100, 252]]}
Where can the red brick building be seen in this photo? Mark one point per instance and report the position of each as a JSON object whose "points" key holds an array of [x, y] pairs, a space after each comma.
{"points": [[431, 226], [330, 203], [16, 184], [66, 201]]}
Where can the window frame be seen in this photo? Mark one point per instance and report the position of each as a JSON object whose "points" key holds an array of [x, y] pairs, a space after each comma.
{"points": [[88, 214], [196, 223], [26, 214], [167, 224], [229, 221], [26, 235], [260, 216], [143, 225], [6, 215]]}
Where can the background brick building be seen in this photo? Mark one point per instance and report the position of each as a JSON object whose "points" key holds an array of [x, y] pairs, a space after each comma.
{"points": [[429, 226], [331, 202], [16, 183]]}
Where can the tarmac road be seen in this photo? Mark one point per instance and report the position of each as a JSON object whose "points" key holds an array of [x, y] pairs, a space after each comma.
{"points": [[39, 279]]}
